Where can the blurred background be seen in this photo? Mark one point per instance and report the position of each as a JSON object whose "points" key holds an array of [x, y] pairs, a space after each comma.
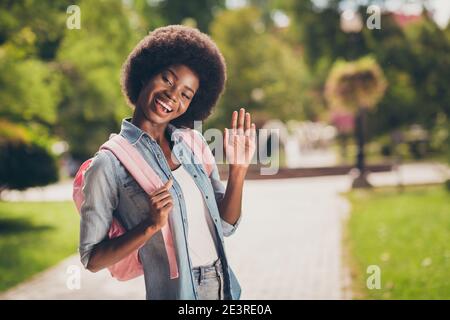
{"points": [[358, 93]]}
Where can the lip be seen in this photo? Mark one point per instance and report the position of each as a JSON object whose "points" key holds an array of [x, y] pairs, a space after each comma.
{"points": [[159, 109], [165, 102]]}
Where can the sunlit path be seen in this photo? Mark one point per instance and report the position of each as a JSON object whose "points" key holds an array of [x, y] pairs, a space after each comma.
{"points": [[288, 245]]}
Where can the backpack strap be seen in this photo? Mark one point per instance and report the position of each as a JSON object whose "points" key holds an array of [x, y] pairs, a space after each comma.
{"points": [[133, 161], [146, 177]]}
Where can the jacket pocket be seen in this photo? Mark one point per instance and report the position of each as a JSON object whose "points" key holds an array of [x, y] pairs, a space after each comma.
{"points": [[136, 194]]}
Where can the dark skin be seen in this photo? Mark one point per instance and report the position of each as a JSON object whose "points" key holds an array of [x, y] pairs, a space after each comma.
{"points": [[174, 88]]}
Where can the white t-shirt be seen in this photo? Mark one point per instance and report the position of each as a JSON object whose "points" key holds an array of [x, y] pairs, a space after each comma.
{"points": [[201, 234]]}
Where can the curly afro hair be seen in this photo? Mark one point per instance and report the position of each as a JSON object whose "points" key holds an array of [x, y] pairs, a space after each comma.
{"points": [[177, 44]]}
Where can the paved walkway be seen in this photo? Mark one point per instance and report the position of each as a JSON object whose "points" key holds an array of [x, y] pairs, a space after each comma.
{"points": [[288, 245]]}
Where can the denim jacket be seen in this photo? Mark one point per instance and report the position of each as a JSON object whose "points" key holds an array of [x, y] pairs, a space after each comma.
{"points": [[110, 191]]}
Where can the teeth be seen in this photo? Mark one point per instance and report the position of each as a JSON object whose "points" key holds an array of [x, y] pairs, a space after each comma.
{"points": [[164, 105]]}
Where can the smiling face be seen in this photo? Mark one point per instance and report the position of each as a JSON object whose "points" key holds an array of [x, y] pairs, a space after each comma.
{"points": [[168, 94]]}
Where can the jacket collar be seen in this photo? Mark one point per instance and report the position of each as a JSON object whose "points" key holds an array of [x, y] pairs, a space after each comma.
{"points": [[132, 133]]}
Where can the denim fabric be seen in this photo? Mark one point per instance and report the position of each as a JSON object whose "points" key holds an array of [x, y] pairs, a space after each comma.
{"points": [[110, 191], [210, 281]]}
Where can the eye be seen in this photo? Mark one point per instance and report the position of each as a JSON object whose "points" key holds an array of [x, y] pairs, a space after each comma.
{"points": [[166, 80], [186, 96]]}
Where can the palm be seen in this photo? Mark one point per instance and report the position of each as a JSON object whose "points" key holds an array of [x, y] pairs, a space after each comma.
{"points": [[240, 142]]}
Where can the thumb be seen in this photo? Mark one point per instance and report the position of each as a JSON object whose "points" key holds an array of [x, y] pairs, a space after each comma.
{"points": [[169, 183]]}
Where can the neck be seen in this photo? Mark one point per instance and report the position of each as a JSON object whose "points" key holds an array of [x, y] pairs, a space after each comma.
{"points": [[155, 130]]}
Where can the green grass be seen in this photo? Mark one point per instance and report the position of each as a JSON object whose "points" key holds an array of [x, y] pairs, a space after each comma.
{"points": [[406, 234], [33, 237], [372, 154]]}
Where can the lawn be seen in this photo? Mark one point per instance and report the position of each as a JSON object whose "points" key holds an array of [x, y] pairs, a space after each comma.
{"points": [[406, 234], [33, 237]]}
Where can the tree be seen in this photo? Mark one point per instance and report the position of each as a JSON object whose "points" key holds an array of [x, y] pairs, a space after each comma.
{"points": [[357, 86], [29, 81], [29, 91], [90, 60], [414, 58], [156, 13], [264, 74], [26, 162], [201, 11]]}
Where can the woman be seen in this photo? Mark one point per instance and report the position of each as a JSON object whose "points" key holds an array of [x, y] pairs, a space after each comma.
{"points": [[172, 78]]}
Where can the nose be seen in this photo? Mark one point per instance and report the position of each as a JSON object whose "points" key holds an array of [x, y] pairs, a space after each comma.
{"points": [[171, 94]]}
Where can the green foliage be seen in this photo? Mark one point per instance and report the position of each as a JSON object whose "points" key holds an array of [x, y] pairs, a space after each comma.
{"points": [[201, 11], [264, 74], [13, 133], [25, 163], [91, 60], [318, 31], [440, 136], [29, 83], [69, 79], [29, 91], [430, 47], [447, 185], [414, 59], [33, 27], [355, 84]]}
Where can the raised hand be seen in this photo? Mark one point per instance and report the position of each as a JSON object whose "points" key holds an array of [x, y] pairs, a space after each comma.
{"points": [[240, 140]]}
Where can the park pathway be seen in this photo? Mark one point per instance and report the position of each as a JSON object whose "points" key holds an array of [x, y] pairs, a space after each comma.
{"points": [[288, 245]]}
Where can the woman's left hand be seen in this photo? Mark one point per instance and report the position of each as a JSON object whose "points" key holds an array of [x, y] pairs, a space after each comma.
{"points": [[240, 140]]}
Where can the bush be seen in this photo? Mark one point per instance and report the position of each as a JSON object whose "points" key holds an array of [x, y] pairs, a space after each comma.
{"points": [[447, 185], [24, 162], [386, 150]]}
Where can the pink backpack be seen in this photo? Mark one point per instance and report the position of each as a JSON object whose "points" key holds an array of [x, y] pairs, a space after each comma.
{"points": [[131, 267]]}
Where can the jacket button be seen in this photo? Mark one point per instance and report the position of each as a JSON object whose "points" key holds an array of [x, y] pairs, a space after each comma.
{"points": [[195, 176], [206, 197]]}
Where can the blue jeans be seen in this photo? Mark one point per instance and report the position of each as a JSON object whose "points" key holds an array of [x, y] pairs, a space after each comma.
{"points": [[209, 280]]}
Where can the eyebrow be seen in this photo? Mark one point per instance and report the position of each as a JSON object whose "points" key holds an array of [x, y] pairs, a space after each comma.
{"points": [[175, 75]]}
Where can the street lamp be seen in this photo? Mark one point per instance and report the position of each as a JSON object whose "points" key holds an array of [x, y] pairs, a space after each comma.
{"points": [[358, 86]]}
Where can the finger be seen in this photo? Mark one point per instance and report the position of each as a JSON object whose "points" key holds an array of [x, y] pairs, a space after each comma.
{"points": [[241, 121], [234, 117], [169, 205], [164, 188], [161, 196], [225, 138], [247, 123], [164, 203], [253, 131], [169, 183], [158, 191]]}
